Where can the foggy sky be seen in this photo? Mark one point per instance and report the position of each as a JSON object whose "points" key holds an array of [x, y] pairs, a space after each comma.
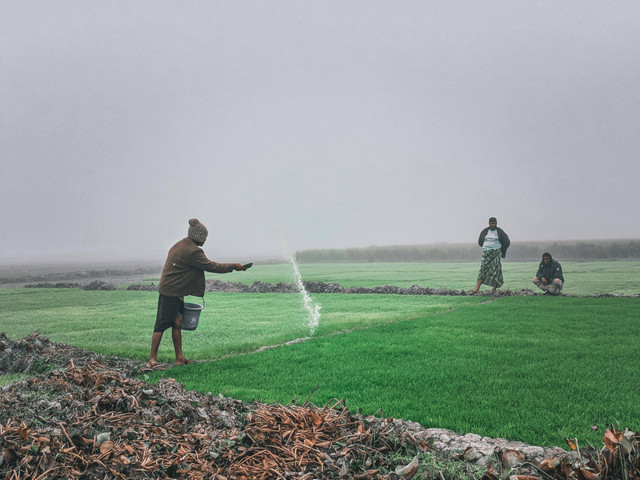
{"points": [[321, 124]]}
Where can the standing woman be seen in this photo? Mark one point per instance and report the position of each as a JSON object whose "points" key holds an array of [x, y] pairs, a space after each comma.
{"points": [[494, 242]]}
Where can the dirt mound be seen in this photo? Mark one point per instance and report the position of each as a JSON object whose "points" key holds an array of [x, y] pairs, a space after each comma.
{"points": [[323, 287], [35, 354], [47, 277], [333, 287], [314, 287]]}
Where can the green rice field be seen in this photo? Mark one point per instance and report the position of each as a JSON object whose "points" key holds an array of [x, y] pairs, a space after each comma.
{"points": [[533, 369]]}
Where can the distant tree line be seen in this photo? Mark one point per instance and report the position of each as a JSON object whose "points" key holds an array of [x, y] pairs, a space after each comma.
{"points": [[519, 251]]}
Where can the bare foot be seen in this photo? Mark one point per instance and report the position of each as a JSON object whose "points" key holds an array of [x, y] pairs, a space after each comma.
{"points": [[184, 361]]}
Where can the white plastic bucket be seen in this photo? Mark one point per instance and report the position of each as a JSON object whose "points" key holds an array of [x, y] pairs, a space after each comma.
{"points": [[191, 315]]}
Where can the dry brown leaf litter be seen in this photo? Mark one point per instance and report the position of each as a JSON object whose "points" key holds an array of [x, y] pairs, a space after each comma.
{"points": [[88, 422]]}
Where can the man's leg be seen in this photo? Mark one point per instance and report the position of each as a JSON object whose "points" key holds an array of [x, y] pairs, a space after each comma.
{"points": [[555, 287], [536, 281], [176, 336], [168, 316], [478, 283], [156, 338], [559, 284]]}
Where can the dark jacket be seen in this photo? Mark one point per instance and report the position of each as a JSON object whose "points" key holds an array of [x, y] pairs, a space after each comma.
{"points": [[551, 271], [502, 236], [183, 272]]}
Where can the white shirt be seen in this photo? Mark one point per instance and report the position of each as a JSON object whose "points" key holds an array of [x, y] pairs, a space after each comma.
{"points": [[491, 241]]}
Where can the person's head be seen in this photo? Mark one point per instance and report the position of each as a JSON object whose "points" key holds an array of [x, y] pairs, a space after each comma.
{"points": [[197, 232], [493, 223], [546, 258]]}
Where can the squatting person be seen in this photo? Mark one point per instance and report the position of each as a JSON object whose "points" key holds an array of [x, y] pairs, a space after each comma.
{"points": [[182, 274], [549, 277], [494, 242]]}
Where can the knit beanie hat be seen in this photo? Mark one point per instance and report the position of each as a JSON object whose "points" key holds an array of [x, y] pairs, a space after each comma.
{"points": [[197, 231]]}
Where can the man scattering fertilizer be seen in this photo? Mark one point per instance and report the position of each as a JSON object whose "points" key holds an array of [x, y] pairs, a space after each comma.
{"points": [[182, 274], [494, 242]]}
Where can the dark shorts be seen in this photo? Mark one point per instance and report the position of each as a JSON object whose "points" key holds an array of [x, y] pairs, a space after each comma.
{"points": [[169, 308]]}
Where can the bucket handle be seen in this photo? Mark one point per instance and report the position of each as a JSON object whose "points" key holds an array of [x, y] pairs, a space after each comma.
{"points": [[202, 301]]}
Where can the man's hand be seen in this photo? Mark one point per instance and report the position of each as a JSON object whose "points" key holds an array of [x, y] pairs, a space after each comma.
{"points": [[239, 267], [544, 281]]}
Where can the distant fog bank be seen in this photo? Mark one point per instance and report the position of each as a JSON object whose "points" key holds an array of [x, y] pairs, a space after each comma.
{"points": [[576, 250]]}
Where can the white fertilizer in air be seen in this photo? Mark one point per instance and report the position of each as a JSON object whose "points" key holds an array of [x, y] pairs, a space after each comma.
{"points": [[312, 307]]}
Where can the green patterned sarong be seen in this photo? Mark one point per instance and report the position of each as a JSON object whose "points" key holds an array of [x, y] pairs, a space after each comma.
{"points": [[491, 268]]}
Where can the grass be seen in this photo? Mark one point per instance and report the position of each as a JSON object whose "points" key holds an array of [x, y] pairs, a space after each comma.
{"points": [[533, 369], [120, 322], [10, 378], [434, 467], [516, 368]]}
